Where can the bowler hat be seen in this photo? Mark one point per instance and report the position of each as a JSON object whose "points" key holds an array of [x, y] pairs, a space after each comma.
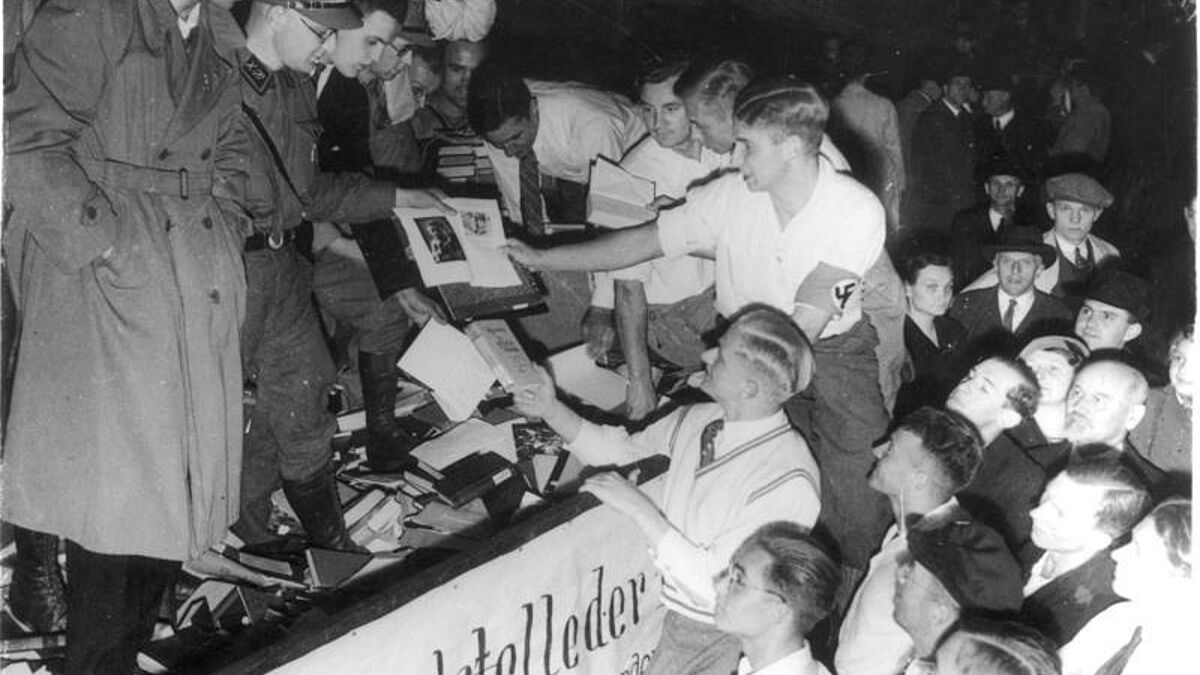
{"points": [[993, 79], [1025, 239], [972, 562], [1078, 187], [1122, 290], [335, 14], [1001, 165]]}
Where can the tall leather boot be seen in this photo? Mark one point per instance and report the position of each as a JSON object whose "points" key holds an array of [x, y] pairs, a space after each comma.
{"points": [[37, 597], [315, 501], [388, 446]]}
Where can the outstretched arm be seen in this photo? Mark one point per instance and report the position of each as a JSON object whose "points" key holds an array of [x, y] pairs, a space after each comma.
{"points": [[611, 251]]}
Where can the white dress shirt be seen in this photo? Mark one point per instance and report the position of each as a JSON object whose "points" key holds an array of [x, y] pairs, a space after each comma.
{"points": [[799, 662]]}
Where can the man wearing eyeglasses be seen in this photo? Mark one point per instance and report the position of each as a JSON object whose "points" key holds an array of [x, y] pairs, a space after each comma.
{"points": [[361, 275], [284, 352], [779, 584]]}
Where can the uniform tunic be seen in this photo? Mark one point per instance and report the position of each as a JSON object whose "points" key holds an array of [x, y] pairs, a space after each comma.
{"points": [[126, 419], [283, 348]]}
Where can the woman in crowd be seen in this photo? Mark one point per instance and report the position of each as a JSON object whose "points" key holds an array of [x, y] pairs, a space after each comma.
{"points": [[1153, 632], [934, 340], [1053, 359], [989, 647], [1164, 436]]}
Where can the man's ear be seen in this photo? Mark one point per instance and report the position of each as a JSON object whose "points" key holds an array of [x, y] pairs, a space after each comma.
{"points": [[751, 388], [1050, 210], [1008, 418], [793, 146], [1099, 212], [1134, 330], [533, 111], [1020, 190], [1136, 412]]}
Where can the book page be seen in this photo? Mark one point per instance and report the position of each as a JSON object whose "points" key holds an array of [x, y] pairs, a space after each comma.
{"points": [[617, 198], [482, 236], [437, 245], [446, 361]]}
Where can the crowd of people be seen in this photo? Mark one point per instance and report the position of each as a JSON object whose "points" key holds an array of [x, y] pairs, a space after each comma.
{"points": [[950, 425]]}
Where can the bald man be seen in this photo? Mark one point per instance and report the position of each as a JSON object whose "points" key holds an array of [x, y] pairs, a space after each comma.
{"points": [[1106, 401]]}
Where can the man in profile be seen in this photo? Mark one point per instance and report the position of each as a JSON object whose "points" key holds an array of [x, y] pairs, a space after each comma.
{"points": [[779, 584]]}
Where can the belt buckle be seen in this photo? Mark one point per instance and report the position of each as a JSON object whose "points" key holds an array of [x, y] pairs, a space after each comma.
{"points": [[275, 240]]}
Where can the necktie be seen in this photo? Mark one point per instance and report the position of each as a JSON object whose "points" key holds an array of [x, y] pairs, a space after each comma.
{"points": [[1082, 261], [531, 195], [1009, 314], [708, 441]]}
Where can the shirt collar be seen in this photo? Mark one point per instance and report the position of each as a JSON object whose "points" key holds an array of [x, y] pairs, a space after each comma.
{"points": [[799, 661], [1067, 247], [1022, 301], [1006, 118], [953, 108], [734, 434]]}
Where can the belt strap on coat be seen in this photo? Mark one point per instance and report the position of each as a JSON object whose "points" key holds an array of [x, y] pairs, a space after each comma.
{"points": [[173, 182]]}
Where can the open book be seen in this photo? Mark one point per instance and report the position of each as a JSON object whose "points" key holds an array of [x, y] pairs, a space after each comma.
{"points": [[617, 198], [459, 248]]}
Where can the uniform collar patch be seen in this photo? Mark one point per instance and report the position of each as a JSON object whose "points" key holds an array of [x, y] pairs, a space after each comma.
{"points": [[256, 74]]}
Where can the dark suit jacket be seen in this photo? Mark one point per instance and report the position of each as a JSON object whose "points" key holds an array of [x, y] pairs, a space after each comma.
{"points": [[1025, 141], [1064, 605], [344, 145], [979, 312], [943, 181], [1006, 487], [969, 233]]}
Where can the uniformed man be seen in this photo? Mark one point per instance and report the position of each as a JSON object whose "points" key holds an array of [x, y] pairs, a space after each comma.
{"points": [[124, 244], [380, 311], [290, 427]]}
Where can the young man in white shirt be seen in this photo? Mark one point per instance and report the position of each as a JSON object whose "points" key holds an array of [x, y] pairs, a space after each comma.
{"points": [[735, 465], [791, 232], [779, 584], [665, 306]]}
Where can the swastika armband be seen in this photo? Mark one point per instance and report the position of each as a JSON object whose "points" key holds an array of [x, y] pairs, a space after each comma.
{"points": [[829, 289]]}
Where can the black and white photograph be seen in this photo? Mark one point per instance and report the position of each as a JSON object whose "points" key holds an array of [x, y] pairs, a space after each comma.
{"points": [[903, 294], [443, 243]]}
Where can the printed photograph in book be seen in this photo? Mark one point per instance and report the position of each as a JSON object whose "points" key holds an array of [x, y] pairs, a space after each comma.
{"points": [[440, 238], [463, 247]]}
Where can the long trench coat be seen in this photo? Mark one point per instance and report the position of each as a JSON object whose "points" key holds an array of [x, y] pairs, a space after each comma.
{"points": [[126, 420]]}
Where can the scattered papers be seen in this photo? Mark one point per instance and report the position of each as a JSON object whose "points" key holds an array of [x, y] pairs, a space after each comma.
{"points": [[446, 361], [471, 436], [460, 248], [578, 375], [617, 198]]}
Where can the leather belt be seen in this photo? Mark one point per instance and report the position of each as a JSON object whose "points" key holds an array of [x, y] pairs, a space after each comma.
{"points": [[272, 240], [175, 182]]}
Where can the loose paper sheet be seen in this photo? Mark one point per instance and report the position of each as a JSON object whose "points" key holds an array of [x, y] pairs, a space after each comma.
{"points": [[577, 374], [446, 361]]}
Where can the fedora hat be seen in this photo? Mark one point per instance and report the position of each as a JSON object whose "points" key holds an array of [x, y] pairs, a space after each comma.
{"points": [[1025, 239]]}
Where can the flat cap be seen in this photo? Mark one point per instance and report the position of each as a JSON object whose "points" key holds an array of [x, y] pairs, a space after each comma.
{"points": [[972, 562], [1078, 187], [1122, 290], [335, 14]]}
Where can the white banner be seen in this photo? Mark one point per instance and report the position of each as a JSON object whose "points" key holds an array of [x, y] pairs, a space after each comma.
{"points": [[582, 598]]}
